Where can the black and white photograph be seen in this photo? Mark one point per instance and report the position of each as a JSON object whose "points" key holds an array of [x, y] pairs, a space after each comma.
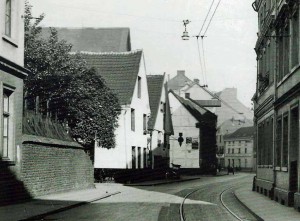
{"points": [[150, 110]]}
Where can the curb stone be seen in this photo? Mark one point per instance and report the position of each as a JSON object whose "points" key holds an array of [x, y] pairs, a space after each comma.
{"points": [[42, 215], [251, 211]]}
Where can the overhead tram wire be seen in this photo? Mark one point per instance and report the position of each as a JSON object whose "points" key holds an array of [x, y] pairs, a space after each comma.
{"points": [[206, 17], [212, 17], [202, 38], [200, 61], [203, 69], [204, 62]]}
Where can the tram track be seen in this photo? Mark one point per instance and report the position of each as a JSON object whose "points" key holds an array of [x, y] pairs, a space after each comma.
{"points": [[221, 199]]}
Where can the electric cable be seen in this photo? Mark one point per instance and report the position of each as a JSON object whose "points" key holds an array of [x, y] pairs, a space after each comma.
{"points": [[212, 17], [206, 17], [204, 62], [200, 60]]}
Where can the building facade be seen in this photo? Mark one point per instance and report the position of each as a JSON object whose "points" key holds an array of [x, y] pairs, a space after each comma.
{"points": [[238, 149], [125, 75], [159, 124], [226, 128], [193, 144], [12, 74], [277, 100]]}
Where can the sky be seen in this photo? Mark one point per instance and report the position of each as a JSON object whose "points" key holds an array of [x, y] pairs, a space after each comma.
{"points": [[156, 27]]}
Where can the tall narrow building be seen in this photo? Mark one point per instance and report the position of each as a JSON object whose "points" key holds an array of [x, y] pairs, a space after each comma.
{"points": [[276, 101]]}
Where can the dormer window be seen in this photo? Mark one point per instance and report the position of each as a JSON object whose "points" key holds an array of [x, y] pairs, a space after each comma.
{"points": [[8, 18]]}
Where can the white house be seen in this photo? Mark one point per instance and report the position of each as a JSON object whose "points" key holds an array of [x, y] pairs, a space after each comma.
{"points": [[124, 73], [159, 124], [193, 144]]}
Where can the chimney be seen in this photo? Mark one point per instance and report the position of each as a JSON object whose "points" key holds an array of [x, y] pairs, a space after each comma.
{"points": [[187, 95], [196, 80], [181, 72]]}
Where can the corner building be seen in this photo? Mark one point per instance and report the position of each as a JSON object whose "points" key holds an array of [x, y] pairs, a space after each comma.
{"points": [[276, 101]]}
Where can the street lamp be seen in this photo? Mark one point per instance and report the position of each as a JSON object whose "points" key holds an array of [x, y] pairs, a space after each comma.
{"points": [[185, 35]]}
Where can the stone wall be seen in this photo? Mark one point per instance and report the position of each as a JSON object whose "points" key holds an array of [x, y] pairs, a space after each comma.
{"points": [[50, 166]]}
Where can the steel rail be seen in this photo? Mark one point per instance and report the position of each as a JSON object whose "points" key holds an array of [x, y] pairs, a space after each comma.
{"points": [[226, 207], [181, 211]]}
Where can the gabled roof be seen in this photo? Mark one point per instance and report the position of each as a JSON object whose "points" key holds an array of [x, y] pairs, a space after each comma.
{"points": [[95, 39], [119, 70], [204, 88], [155, 88], [244, 132], [231, 125], [195, 110], [179, 81]]}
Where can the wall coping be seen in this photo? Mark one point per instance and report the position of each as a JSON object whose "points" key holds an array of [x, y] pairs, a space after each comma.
{"points": [[26, 138]]}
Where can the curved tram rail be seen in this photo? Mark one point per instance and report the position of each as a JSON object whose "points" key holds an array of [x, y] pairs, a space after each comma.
{"points": [[181, 210]]}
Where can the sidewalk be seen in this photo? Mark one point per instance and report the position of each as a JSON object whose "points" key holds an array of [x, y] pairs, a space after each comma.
{"points": [[54, 203], [50, 204], [264, 207], [164, 181], [183, 178]]}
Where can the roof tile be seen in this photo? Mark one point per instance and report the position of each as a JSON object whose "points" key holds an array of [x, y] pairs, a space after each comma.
{"points": [[119, 70]]}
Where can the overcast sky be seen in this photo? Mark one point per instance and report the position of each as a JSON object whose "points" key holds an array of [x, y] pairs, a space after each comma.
{"points": [[156, 27]]}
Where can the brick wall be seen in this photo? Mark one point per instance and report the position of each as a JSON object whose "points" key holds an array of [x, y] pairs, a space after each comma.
{"points": [[50, 166]]}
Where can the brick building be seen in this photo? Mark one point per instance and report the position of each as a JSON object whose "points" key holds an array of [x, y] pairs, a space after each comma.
{"points": [[276, 101]]}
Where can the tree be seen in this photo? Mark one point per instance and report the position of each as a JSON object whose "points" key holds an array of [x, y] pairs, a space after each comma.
{"points": [[76, 94]]}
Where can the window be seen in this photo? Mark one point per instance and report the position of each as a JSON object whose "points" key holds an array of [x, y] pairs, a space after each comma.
{"points": [[145, 123], [139, 158], [270, 143], [133, 158], [280, 56], [139, 87], [232, 150], [145, 158], [294, 133], [286, 52], [228, 162], [7, 124], [240, 142], [278, 142], [8, 18], [228, 150], [285, 141], [232, 162], [240, 165], [246, 162], [132, 119], [239, 150], [260, 144], [245, 150], [295, 39]]}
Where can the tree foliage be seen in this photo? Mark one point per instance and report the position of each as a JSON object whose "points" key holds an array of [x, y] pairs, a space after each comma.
{"points": [[76, 93]]}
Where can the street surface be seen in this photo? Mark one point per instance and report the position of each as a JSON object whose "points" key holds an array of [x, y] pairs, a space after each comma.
{"points": [[163, 202]]}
